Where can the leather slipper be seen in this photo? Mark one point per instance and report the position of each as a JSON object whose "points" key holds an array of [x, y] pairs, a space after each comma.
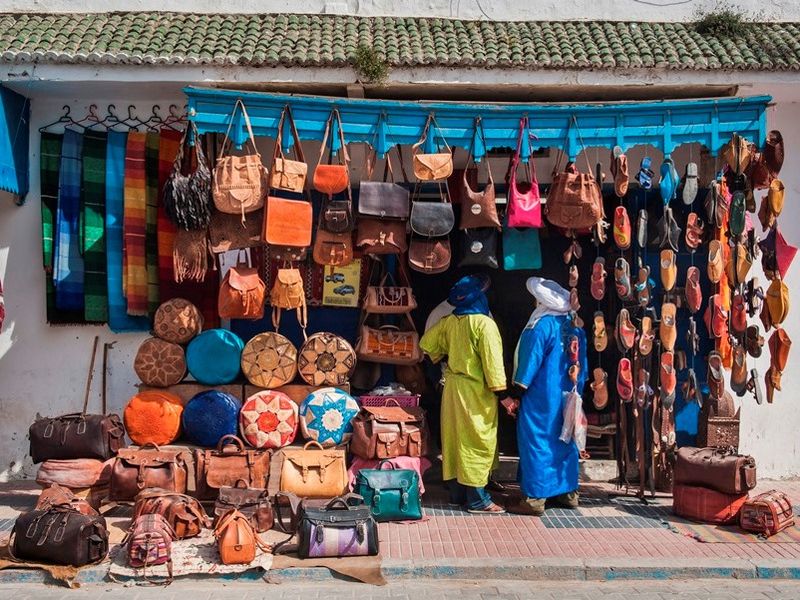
{"points": [[716, 317], [736, 214], [669, 270], [765, 216], [744, 261], [669, 181], [622, 228], [738, 315], [668, 379], [625, 380], [694, 231], [643, 286], [774, 152], [739, 370], [715, 261], [777, 301], [754, 386], [692, 339], [779, 346], [736, 153], [766, 320], [645, 174], [622, 279], [600, 388], [641, 229], [646, 336], [673, 231], [625, 331], [693, 291], [772, 379], [598, 279], [716, 205], [643, 389], [680, 361], [690, 184], [600, 332], [775, 197], [619, 171], [716, 375], [667, 330], [754, 341]]}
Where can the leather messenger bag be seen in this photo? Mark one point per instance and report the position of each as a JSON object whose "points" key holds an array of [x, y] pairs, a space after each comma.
{"points": [[720, 469], [150, 466], [228, 464], [389, 431]]}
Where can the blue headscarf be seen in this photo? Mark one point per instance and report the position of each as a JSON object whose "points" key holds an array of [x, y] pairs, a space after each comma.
{"points": [[468, 297]]}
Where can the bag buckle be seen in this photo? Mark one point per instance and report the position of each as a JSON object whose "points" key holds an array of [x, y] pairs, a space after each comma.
{"points": [[376, 498], [33, 526], [59, 536]]}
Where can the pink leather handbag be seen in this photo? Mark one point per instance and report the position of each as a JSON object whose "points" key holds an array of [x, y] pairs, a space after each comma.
{"points": [[524, 202]]}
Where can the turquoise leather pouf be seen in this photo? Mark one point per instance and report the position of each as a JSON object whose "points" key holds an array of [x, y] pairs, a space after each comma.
{"points": [[214, 356]]}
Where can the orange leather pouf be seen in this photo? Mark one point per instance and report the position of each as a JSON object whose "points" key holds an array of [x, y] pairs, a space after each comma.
{"points": [[153, 416]]}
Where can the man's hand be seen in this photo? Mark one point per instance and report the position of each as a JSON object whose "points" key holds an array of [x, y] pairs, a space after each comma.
{"points": [[511, 405]]}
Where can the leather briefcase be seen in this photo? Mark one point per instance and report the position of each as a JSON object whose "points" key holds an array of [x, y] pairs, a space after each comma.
{"points": [[338, 529], [60, 536], [253, 504], [150, 466], [317, 473], [228, 464], [716, 468], [389, 431], [76, 435], [183, 513], [767, 513]]}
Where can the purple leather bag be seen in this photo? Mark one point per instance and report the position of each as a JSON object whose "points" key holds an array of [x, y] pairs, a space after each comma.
{"points": [[338, 529]]}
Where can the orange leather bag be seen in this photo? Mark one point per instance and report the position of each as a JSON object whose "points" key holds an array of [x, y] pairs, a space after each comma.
{"points": [[288, 222], [237, 541], [332, 178], [241, 294]]}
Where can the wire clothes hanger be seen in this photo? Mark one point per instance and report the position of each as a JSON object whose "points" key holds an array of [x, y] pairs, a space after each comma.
{"points": [[65, 118]]}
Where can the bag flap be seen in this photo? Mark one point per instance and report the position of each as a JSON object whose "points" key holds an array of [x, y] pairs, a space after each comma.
{"points": [[383, 199], [432, 219], [394, 414], [290, 277], [242, 496], [290, 167], [389, 479], [226, 471], [155, 458], [244, 279], [435, 162], [314, 459]]}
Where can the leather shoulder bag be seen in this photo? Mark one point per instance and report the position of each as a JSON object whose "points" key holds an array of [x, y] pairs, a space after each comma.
{"points": [[388, 344], [239, 183], [330, 178], [524, 202], [333, 249], [478, 209], [285, 174], [574, 202], [521, 249], [253, 503], [336, 530], [228, 464], [433, 218], [241, 294], [314, 473], [185, 514], [187, 198], [389, 431], [479, 248], [226, 232], [716, 468], [150, 467], [391, 494], [436, 166], [429, 255], [381, 236], [288, 222], [383, 199], [288, 293]]}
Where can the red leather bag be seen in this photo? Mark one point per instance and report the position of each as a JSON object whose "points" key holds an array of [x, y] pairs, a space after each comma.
{"points": [[524, 203], [767, 513], [706, 505]]}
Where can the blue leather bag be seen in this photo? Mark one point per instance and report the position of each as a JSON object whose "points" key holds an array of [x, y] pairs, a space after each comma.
{"points": [[210, 415], [521, 249], [391, 494], [214, 356]]}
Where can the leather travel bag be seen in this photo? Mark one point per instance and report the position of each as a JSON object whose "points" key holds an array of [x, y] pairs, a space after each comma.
{"points": [[239, 184], [150, 544], [716, 468], [703, 504], [435, 166], [61, 536], [254, 504], [285, 174], [241, 294], [767, 513], [389, 431], [76, 435], [383, 199], [388, 344], [391, 494], [237, 541], [55, 495], [228, 464], [314, 473], [337, 529], [150, 466], [185, 514], [378, 236], [332, 178]]}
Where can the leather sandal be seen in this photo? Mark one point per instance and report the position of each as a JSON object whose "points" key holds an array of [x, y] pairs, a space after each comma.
{"points": [[645, 174], [622, 228], [754, 341], [573, 276], [668, 379], [715, 261], [693, 291], [643, 390], [754, 386], [737, 211], [772, 379], [669, 270], [574, 372], [694, 231], [619, 171], [774, 152], [600, 388], [573, 349], [738, 315], [680, 361], [574, 301], [690, 388], [692, 338], [667, 331], [646, 336], [716, 205], [574, 250], [689, 184], [625, 380], [739, 370], [600, 332], [716, 375], [716, 317], [598, 279], [625, 331], [622, 279], [643, 286]]}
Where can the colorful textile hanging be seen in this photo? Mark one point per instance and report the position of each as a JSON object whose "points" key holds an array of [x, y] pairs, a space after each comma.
{"points": [[134, 256], [151, 215], [68, 267], [93, 239], [118, 318]]}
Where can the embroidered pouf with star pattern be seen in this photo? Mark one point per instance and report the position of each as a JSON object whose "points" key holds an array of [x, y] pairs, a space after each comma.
{"points": [[269, 419], [326, 416]]}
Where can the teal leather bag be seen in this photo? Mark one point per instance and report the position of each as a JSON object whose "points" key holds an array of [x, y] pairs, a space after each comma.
{"points": [[521, 249], [391, 494]]}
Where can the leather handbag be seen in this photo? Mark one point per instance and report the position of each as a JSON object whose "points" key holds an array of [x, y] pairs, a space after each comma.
{"points": [[253, 503], [703, 504], [767, 513], [378, 236], [150, 544], [389, 431], [288, 222], [391, 494], [574, 202], [326, 359], [436, 166], [479, 248], [524, 203], [389, 299], [227, 232], [337, 529], [429, 255], [55, 495], [521, 249], [716, 468], [184, 514], [76, 435], [285, 174], [159, 363], [383, 199], [187, 198], [237, 541], [330, 178], [333, 249], [288, 293], [388, 344], [269, 360], [228, 464], [478, 209], [60, 536], [314, 473], [241, 294], [337, 216], [150, 467], [433, 218], [239, 182]]}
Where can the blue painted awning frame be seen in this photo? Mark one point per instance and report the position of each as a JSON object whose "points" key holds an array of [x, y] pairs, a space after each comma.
{"points": [[15, 122], [569, 127]]}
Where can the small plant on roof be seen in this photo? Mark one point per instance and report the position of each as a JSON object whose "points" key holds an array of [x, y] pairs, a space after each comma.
{"points": [[370, 65], [725, 20]]}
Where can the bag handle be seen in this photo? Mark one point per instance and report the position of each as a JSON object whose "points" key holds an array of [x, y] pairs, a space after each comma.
{"points": [[313, 443], [343, 157], [286, 114], [252, 137], [230, 436], [343, 501], [386, 461], [431, 121], [150, 444]]}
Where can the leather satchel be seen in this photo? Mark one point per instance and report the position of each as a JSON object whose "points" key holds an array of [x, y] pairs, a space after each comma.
{"points": [[383, 199], [574, 202], [378, 236], [336, 530], [478, 209], [429, 255], [229, 464], [239, 182], [716, 468], [285, 174], [392, 494], [185, 514], [314, 473], [237, 541], [389, 299], [432, 219], [330, 178], [389, 431], [241, 294], [287, 293], [288, 222], [150, 467], [479, 248], [388, 344], [436, 166], [767, 513], [76, 435], [61, 536], [334, 249], [254, 504]]}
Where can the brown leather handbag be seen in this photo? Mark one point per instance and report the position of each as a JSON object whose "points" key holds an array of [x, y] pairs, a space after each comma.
{"points": [[767, 513], [574, 201], [478, 209], [237, 541], [436, 166], [389, 299], [429, 255], [378, 236], [388, 344], [317, 473], [227, 232], [241, 294], [228, 464], [336, 216], [183, 513], [288, 222], [330, 178], [716, 468], [150, 466], [285, 174], [287, 293], [239, 182], [389, 431], [334, 249], [254, 504]]}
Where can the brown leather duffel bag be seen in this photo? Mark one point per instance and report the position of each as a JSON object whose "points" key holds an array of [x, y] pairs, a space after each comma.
{"points": [[228, 464], [61, 536], [183, 513], [717, 468], [55, 495], [150, 466], [389, 431], [253, 504], [76, 435]]}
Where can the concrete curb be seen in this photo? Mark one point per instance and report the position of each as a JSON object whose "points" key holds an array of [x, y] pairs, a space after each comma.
{"points": [[529, 569]]}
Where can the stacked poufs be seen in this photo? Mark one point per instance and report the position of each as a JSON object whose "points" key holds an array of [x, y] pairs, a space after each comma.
{"points": [[214, 357]]}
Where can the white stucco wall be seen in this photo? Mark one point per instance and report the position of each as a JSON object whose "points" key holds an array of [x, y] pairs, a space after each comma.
{"points": [[497, 10]]}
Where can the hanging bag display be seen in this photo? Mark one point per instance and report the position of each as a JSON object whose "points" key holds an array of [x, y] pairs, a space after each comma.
{"points": [[239, 183], [228, 464], [436, 166], [332, 178], [241, 293], [314, 473], [479, 209], [521, 249], [479, 248], [524, 203], [288, 293], [391, 494], [388, 344], [383, 199], [285, 174], [187, 198], [336, 530]]}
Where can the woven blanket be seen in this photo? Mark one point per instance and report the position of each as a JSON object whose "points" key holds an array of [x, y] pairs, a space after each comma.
{"points": [[93, 238], [151, 226], [68, 268], [134, 258]]}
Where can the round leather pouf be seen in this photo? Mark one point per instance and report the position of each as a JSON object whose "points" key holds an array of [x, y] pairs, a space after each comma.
{"points": [[269, 360], [160, 363], [326, 359], [177, 321], [153, 416], [269, 420], [208, 416], [213, 356], [326, 416]]}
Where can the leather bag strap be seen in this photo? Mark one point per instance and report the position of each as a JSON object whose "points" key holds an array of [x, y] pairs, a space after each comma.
{"points": [[252, 137]]}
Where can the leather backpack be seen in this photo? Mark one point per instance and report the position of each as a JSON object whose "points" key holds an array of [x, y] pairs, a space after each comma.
{"points": [[239, 182], [150, 544], [253, 503], [436, 166], [285, 174], [287, 293], [150, 467], [332, 178], [228, 464], [184, 514], [389, 431], [237, 541], [241, 294]]}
